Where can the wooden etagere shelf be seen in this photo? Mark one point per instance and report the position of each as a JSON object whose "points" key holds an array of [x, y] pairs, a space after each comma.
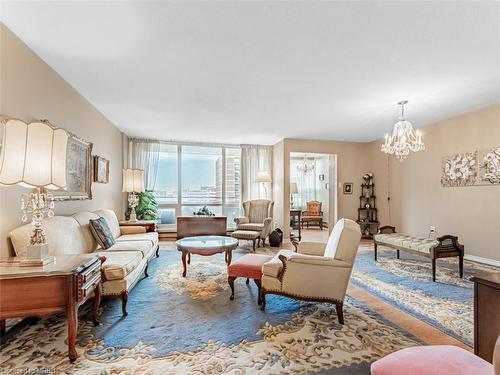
{"points": [[367, 211]]}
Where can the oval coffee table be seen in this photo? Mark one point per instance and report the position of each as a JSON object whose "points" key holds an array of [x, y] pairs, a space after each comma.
{"points": [[206, 246]]}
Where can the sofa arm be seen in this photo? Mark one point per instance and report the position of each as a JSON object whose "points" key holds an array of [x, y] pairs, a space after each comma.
{"points": [[311, 248], [314, 260], [241, 220], [126, 229]]}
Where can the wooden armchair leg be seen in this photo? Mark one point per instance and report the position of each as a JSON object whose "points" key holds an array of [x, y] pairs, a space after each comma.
{"points": [[461, 266], [340, 313], [433, 269], [146, 274], [124, 297], [230, 280], [158, 251], [397, 254], [262, 299]]}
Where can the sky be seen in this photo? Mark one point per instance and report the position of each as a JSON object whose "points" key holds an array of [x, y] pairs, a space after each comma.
{"points": [[196, 171]]}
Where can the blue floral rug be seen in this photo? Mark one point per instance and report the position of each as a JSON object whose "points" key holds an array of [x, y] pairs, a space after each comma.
{"points": [[406, 283], [189, 326]]}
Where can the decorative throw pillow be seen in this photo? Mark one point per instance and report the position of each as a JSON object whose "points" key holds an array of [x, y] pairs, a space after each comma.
{"points": [[101, 232]]}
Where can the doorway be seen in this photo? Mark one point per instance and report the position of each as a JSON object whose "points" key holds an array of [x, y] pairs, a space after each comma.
{"points": [[312, 203]]}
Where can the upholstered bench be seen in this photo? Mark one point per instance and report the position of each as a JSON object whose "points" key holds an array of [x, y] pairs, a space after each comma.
{"points": [[432, 360], [250, 267], [249, 235], [442, 247]]}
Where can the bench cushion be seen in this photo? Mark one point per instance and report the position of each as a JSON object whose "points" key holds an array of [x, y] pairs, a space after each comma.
{"points": [[423, 245], [249, 266], [245, 234]]}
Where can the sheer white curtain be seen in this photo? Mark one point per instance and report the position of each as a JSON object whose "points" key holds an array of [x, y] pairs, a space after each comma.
{"points": [[255, 159], [145, 154], [306, 184]]}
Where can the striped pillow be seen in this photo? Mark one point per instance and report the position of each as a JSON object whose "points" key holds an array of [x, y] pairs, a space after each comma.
{"points": [[101, 232]]}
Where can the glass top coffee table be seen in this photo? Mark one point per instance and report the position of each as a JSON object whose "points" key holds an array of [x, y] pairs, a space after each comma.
{"points": [[206, 246]]}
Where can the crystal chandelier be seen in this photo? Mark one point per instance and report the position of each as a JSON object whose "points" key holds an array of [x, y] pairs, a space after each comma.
{"points": [[403, 139], [305, 166]]}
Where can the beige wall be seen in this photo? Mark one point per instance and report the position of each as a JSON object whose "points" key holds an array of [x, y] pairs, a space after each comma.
{"points": [[31, 90], [352, 163], [418, 200]]}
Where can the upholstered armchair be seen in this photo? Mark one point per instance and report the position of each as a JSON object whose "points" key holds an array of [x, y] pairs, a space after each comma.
{"points": [[316, 272], [258, 217], [313, 214]]}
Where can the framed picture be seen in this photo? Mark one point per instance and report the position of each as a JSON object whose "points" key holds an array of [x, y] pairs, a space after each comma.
{"points": [[322, 177], [101, 170], [348, 187], [79, 171]]}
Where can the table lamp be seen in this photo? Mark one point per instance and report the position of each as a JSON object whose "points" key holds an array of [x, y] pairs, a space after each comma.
{"points": [[263, 178], [34, 155], [133, 182], [293, 190]]}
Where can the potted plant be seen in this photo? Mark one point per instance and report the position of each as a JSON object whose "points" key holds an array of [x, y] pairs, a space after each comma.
{"points": [[147, 208]]}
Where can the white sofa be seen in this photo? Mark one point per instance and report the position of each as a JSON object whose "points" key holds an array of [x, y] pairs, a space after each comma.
{"points": [[125, 261], [317, 271]]}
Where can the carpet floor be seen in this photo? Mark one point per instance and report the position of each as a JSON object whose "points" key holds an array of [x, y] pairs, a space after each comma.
{"points": [[406, 283], [189, 326]]}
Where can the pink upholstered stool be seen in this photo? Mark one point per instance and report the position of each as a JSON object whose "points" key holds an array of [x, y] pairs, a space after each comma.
{"points": [[432, 360], [248, 266]]}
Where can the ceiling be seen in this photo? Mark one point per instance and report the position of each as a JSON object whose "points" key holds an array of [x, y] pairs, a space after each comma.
{"points": [[257, 72]]}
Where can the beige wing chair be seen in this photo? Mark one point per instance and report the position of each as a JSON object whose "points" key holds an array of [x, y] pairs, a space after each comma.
{"points": [[316, 272], [258, 217]]}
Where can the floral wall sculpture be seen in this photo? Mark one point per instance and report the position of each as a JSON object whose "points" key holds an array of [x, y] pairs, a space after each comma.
{"points": [[471, 168]]}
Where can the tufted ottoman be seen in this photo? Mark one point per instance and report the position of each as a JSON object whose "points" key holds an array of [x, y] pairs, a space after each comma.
{"points": [[249, 235], [248, 266], [432, 360]]}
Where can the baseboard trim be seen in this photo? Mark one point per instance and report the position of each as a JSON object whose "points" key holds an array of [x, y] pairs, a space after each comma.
{"points": [[490, 262]]}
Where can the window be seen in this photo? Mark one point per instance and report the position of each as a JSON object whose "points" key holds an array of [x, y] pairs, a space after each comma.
{"points": [[193, 176], [201, 175], [167, 180]]}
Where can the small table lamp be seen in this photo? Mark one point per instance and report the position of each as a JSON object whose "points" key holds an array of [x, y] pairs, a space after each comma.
{"points": [[293, 190], [34, 155], [263, 178], [133, 182]]}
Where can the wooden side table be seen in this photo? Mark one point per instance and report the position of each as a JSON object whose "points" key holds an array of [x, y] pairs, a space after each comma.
{"points": [[150, 225], [486, 313], [62, 286]]}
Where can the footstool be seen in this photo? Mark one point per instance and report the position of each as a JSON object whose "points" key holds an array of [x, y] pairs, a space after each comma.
{"points": [[249, 235], [432, 360], [248, 266]]}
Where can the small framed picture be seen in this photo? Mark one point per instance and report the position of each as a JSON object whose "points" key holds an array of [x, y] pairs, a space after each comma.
{"points": [[322, 177], [348, 187], [101, 170]]}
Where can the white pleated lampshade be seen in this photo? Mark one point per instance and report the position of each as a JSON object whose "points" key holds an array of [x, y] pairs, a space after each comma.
{"points": [[133, 180], [263, 177], [33, 155], [293, 188]]}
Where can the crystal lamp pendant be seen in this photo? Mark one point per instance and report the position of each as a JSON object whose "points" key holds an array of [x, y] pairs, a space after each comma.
{"points": [[403, 139]]}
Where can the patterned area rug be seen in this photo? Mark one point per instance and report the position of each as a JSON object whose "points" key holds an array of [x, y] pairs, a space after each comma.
{"points": [[189, 326], [406, 283]]}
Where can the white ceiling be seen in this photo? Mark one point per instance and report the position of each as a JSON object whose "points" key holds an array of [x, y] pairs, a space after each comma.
{"points": [[257, 72]]}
